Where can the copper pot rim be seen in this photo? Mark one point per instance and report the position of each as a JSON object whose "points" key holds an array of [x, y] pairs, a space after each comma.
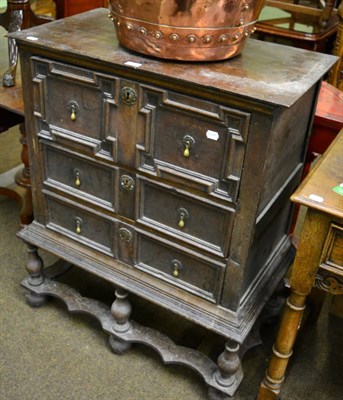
{"points": [[181, 27]]}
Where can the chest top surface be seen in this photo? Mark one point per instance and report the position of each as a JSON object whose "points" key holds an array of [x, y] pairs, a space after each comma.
{"points": [[267, 72]]}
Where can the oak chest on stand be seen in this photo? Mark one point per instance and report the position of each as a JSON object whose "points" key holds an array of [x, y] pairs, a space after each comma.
{"points": [[169, 180]]}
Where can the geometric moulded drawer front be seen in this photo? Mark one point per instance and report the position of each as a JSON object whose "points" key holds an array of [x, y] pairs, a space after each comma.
{"points": [[197, 221], [79, 176], [88, 228], [193, 141], [75, 105], [191, 272]]}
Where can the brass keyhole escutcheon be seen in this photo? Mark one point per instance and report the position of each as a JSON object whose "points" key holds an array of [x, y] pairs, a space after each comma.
{"points": [[182, 215], [125, 235], [73, 107], [77, 178], [127, 183], [176, 268], [78, 223], [128, 95], [188, 142]]}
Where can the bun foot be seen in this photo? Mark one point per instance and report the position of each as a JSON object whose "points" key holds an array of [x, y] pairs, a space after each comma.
{"points": [[214, 394], [35, 300], [119, 346]]}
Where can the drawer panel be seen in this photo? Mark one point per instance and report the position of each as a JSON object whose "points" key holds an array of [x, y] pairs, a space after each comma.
{"points": [[332, 254], [193, 140], [80, 177], [200, 276], [75, 105], [198, 222], [91, 229]]}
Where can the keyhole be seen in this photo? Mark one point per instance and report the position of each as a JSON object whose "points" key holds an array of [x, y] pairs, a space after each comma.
{"points": [[128, 95]]}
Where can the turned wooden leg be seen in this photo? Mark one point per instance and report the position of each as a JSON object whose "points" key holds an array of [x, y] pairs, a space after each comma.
{"points": [[303, 276], [229, 365], [121, 311], [282, 349], [23, 180], [17, 16], [34, 267]]}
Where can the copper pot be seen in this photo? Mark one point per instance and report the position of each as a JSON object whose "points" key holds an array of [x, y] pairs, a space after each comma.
{"points": [[189, 30]]}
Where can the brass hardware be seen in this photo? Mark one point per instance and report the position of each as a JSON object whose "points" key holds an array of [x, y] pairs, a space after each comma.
{"points": [[125, 235], [77, 178], [127, 182], [183, 215], [78, 222], [128, 95], [188, 142], [73, 107], [176, 267]]}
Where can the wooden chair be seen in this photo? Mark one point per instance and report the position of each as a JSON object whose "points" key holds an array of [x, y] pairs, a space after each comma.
{"points": [[336, 74], [321, 24]]}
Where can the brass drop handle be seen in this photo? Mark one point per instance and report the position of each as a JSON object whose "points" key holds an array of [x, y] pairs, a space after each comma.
{"points": [[73, 107], [77, 178], [78, 222], [182, 221], [176, 267], [73, 114], [188, 142], [176, 272], [183, 215], [186, 152]]}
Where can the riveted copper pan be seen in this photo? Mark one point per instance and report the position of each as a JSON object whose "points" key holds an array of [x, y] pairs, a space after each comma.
{"points": [[189, 30]]}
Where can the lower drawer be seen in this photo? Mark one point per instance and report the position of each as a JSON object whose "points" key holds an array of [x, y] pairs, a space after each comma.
{"points": [[91, 229], [186, 269], [196, 274]]}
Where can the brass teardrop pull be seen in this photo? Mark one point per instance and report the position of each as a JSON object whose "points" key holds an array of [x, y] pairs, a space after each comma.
{"points": [[176, 268], [188, 142], [176, 272], [186, 152], [73, 107], [73, 115], [78, 222], [183, 215], [182, 221], [77, 178]]}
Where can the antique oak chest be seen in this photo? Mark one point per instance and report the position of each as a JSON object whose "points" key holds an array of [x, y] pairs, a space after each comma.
{"points": [[169, 180]]}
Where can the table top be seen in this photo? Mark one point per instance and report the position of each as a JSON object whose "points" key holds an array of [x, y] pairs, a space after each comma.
{"points": [[320, 189], [267, 72]]}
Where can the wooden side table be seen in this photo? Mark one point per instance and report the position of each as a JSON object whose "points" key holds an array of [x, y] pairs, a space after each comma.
{"points": [[319, 258], [11, 114]]}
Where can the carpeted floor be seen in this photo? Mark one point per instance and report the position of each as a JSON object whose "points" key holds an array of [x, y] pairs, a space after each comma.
{"points": [[50, 354]]}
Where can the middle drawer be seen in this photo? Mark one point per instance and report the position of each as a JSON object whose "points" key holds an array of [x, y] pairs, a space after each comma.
{"points": [[186, 216]]}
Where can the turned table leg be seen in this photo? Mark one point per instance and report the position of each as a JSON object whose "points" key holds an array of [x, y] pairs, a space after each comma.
{"points": [[229, 371], [304, 270], [17, 16], [34, 267], [20, 191], [121, 311]]}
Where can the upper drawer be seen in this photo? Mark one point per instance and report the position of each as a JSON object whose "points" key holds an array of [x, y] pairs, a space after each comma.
{"points": [[184, 216], [192, 140], [79, 176], [76, 105]]}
